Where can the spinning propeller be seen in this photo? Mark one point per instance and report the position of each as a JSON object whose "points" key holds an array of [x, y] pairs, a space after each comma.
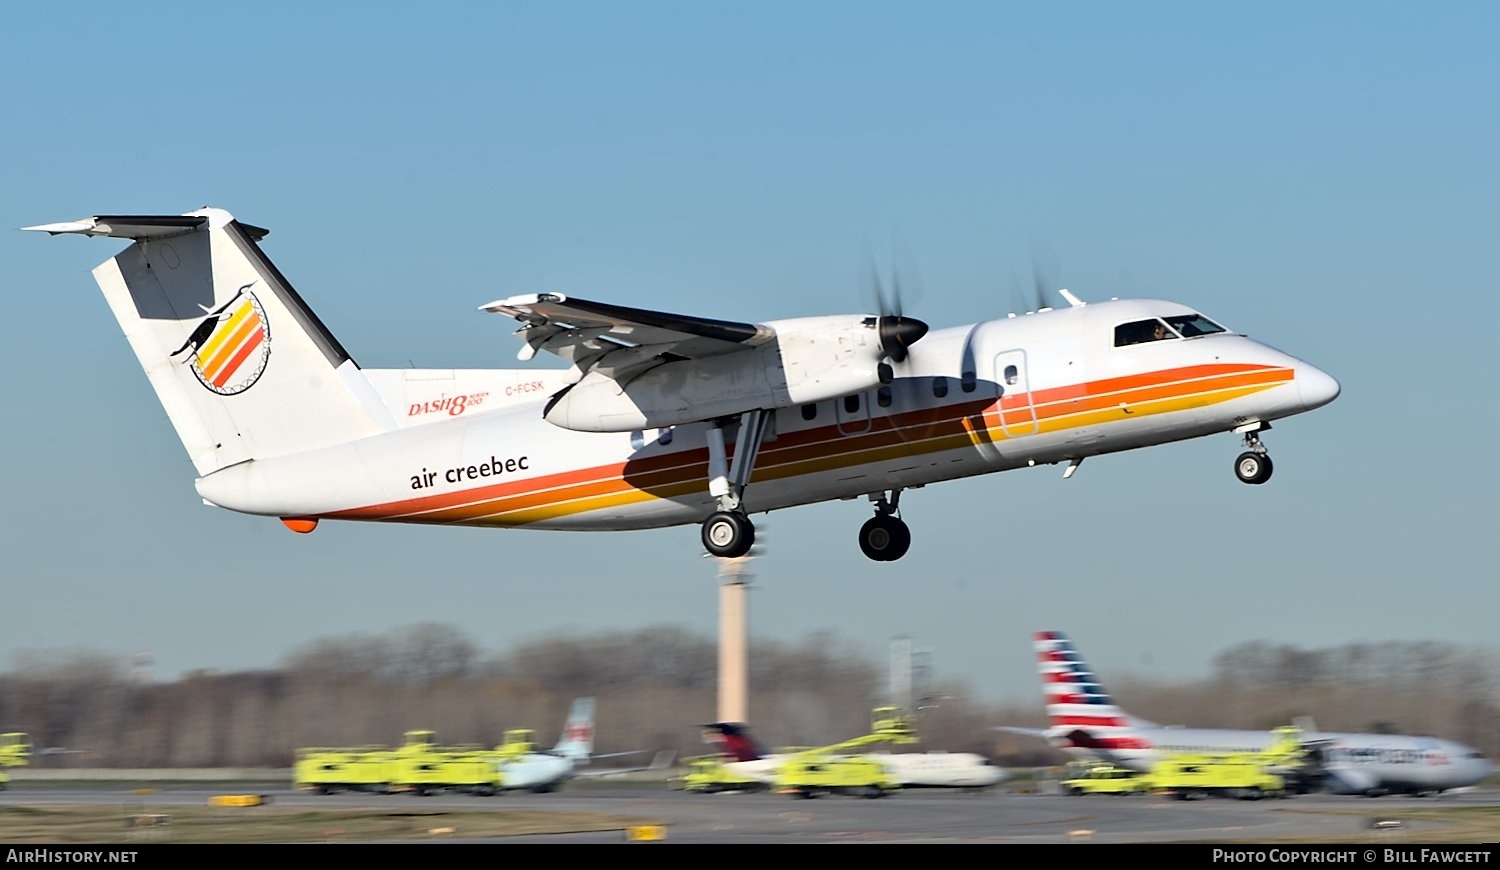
{"points": [[897, 331], [1041, 279]]}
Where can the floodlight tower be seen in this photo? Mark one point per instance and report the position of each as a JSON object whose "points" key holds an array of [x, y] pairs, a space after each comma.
{"points": [[734, 670], [900, 689]]}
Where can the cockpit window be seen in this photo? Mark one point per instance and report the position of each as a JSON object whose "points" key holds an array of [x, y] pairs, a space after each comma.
{"points": [[1142, 331], [1191, 325]]}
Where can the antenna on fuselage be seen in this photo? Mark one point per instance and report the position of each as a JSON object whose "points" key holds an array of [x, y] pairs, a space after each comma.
{"points": [[1072, 300]]}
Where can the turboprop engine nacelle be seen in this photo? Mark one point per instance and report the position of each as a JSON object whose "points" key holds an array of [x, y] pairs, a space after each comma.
{"points": [[809, 359]]}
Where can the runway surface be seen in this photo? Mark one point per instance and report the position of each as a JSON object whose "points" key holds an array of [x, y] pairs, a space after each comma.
{"points": [[913, 816]]}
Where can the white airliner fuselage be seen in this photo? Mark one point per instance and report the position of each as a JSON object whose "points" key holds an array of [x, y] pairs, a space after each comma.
{"points": [[961, 770], [660, 419], [1085, 722]]}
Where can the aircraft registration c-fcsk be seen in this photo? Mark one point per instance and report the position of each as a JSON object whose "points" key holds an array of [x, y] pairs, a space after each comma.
{"points": [[660, 419]]}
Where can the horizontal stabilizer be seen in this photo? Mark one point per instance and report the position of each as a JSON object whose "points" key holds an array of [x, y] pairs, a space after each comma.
{"points": [[1029, 732], [126, 226], [140, 226]]}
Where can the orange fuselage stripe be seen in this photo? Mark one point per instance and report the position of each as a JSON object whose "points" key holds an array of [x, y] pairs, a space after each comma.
{"points": [[913, 434]]}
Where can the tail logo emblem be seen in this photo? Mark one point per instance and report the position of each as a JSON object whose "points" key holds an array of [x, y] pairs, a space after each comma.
{"points": [[229, 348]]}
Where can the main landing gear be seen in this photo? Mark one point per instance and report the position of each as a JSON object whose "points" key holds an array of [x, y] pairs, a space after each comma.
{"points": [[1254, 465], [885, 537], [728, 532]]}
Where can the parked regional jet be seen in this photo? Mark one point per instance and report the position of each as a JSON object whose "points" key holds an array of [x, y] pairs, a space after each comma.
{"points": [[279, 421], [546, 770], [963, 770], [1085, 722]]}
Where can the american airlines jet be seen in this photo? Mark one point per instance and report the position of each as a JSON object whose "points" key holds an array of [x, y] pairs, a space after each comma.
{"points": [[1084, 721]]}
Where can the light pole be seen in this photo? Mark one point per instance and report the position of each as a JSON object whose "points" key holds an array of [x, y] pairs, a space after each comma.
{"points": [[733, 659]]}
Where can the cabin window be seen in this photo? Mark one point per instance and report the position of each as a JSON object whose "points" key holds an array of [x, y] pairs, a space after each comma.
{"points": [[809, 412], [637, 440], [967, 382], [940, 387], [851, 403], [664, 436], [883, 397], [1012, 374]]}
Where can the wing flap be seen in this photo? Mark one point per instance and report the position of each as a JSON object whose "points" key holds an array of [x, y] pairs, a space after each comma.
{"points": [[618, 341]]}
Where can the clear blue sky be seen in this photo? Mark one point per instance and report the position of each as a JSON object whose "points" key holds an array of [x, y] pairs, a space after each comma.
{"points": [[1321, 176]]}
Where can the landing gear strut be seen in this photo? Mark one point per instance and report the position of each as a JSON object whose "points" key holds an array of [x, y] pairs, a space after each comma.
{"points": [[1254, 465], [885, 537], [728, 532]]}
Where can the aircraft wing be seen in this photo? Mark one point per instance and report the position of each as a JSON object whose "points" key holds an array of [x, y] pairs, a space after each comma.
{"points": [[616, 341], [661, 761], [1017, 729]]}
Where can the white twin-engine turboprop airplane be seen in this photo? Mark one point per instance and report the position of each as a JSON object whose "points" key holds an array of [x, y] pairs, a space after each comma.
{"points": [[661, 419]]}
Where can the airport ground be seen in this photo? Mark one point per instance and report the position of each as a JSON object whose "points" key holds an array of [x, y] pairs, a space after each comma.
{"points": [[625, 810]]}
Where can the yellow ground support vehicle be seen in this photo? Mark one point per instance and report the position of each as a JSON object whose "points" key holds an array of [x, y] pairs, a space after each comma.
{"points": [[15, 751], [326, 771], [811, 776], [810, 771], [1105, 779], [517, 742], [419, 765], [473, 772], [826, 770], [1241, 775], [1246, 775], [707, 774]]}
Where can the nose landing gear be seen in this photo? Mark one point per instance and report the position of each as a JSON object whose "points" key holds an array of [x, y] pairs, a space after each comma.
{"points": [[1254, 465]]}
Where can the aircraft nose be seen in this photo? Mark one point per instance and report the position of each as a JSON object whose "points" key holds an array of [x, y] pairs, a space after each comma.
{"points": [[1316, 386]]}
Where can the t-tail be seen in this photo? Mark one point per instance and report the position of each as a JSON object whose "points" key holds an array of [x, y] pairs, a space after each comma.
{"points": [[242, 366], [1080, 712], [577, 741], [734, 739]]}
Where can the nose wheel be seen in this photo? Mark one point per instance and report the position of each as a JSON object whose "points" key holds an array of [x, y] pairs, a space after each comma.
{"points": [[885, 536], [1254, 465]]}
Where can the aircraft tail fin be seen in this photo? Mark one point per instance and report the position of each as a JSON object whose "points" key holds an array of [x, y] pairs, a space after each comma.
{"points": [[733, 738], [1077, 703], [577, 740], [242, 366], [1306, 724]]}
